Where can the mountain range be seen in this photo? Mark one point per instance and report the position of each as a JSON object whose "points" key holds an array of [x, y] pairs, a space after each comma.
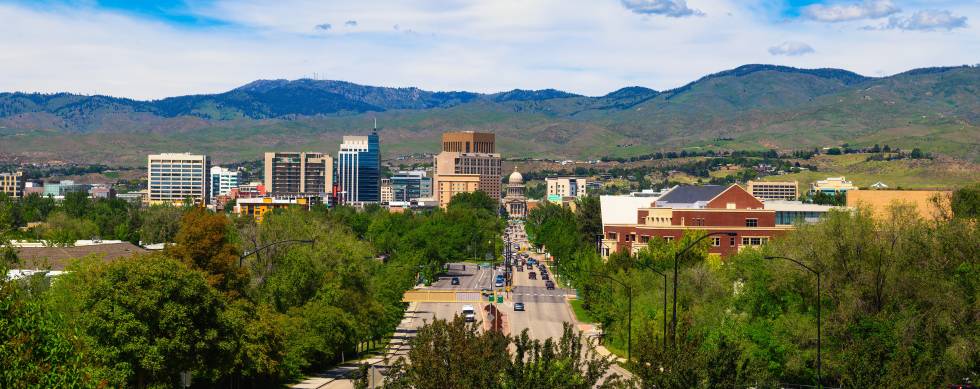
{"points": [[749, 107]]}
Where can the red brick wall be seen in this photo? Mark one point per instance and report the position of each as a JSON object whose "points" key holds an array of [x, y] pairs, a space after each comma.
{"points": [[735, 194], [722, 218], [725, 249]]}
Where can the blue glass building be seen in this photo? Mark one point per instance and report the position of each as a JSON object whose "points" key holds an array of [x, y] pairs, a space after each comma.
{"points": [[359, 169]]}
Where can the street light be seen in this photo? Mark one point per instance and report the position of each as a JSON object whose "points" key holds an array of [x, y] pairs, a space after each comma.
{"points": [[677, 256], [248, 253], [629, 314], [819, 383], [665, 296]]}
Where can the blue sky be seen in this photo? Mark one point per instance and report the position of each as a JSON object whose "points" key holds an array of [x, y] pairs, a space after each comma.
{"points": [[154, 49]]}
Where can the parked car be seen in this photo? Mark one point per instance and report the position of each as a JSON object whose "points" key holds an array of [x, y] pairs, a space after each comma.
{"points": [[549, 285], [519, 307], [454, 281], [532, 275]]}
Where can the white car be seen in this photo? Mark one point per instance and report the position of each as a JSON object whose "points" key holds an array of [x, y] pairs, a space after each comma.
{"points": [[468, 313]]}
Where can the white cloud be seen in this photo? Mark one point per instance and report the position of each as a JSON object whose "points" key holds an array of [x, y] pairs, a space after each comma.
{"points": [[791, 48], [323, 27], [928, 20], [581, 46], [868, 9], [351, 23], [671, 8]]}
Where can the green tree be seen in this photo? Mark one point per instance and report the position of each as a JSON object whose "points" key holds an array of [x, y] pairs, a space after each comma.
{"points": [[160, 224], [475, 200], [965, 202]]}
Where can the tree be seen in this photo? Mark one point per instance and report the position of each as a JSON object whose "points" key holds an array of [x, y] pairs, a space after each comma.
{"points": [[160, 224], [63, 230], [148, 318], [202, 243], [965, 202], [478, 200], [76, 204], [834, 151], [589, 216]]}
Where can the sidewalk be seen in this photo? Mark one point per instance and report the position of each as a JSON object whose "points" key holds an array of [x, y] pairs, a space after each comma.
{"points": [[339, 376]]}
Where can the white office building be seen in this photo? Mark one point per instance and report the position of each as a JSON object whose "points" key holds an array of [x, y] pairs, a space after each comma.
{"points": [[173, 178], [222, 181]]}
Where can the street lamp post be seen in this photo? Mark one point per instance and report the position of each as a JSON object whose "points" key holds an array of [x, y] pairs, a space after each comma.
{"points": [[677, 256], [811, 270], [664, 313], [241, 259], [629, 314]]}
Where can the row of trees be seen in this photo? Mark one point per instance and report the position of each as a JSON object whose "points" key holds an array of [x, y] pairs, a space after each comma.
{"points": [[80, 217], [203, 306], [900, 299]]}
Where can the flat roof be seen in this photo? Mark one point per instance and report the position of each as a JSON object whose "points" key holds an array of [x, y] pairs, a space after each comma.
{"points": [[623, 209]]}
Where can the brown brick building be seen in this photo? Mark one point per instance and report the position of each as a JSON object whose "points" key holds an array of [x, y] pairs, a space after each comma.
{"points": [[708, 208]]}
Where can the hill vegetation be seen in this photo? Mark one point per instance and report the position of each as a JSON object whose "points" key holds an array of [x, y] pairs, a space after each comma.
{"points": [[749, 107]]}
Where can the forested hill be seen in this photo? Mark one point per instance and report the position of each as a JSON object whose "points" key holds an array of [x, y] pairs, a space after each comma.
{"points": [[752, 106]]}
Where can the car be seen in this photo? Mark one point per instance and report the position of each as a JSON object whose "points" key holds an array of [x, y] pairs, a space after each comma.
{"points": [[469, 314], [519, 307], [520, 268], [549, 285], [544, 276], [532, 275], [486, 291], [454, 281]]}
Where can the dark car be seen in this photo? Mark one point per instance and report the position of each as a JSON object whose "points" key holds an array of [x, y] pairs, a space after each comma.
{"points": [[519, 307], [454, 281], [549, 285], [532, 275], [544, 276], [486, 292], [520, 268]]}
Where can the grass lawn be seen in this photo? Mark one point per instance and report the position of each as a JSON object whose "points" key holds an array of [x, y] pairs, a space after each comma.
{"points": [[907, 174], [580, 313]]}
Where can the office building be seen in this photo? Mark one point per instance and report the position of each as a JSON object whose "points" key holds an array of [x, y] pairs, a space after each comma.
{"points": [[359, 170], [560, 188], [298, 173], [257, 207], [173, 178], [386, 194], [449, 185], [515, 201], [774, 190], [685, 209], [411, 185], [467, 153], [222, 181], [880, 201], [832, 185], [12, 184]]}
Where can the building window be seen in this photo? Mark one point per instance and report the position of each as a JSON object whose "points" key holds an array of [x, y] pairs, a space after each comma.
{"points": [[611, 235], [731, 241], [751, 222], [632, 237], [644, 238], [716, 242], [754, 241], [669, 238]]}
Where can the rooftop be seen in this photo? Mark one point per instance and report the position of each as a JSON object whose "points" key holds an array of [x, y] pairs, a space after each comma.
{"points": [[689, 194]]}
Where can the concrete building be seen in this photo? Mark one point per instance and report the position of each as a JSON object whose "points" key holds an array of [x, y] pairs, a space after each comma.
{"points": [[102, 192], [791, 212], [449, 185], [258, 206], [386, 194], [222, 181], [515, 202], [469, 153], [561, 188], [774, 190], [881, 200], [173, 178], [12, 184], [298, 173], [832, 185], [685, 209], [359, 170]]}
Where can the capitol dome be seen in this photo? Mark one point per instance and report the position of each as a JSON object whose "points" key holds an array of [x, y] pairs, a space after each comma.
{"points": [[515, 178]]}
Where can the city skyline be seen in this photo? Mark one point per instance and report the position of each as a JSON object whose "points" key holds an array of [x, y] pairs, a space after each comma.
{"points": [[591, 49]]}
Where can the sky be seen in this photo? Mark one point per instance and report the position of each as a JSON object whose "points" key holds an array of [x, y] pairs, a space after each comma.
{"points": [[154, 49]]}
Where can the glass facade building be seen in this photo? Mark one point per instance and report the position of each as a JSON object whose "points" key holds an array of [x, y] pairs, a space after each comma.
{"points": [[359, 169]]}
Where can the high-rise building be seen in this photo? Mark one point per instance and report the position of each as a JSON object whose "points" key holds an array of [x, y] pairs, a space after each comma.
{"points": [[12, 184], [411, 185], [222, 181], [359, 169], [291, 174], [176, 177], [774, 190], [386, 194], [560, 188], [468, 153], [450, 185]]}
